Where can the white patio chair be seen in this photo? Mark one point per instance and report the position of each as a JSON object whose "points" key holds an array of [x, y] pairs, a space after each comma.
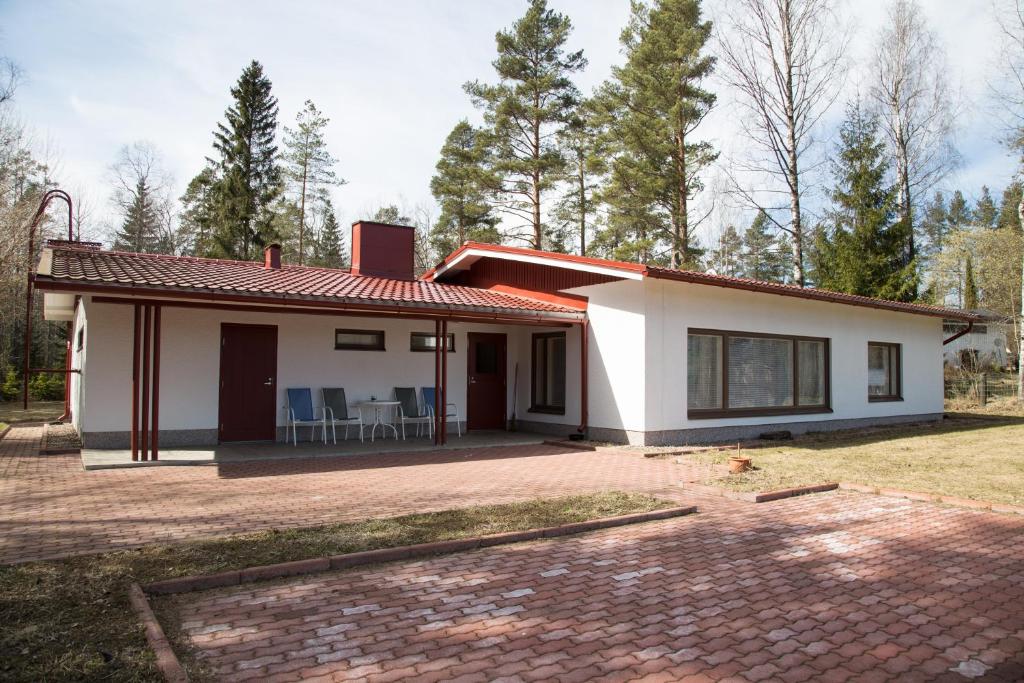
{"points": [[336, 412], [300, 413], [451, 411], [409, 411]]}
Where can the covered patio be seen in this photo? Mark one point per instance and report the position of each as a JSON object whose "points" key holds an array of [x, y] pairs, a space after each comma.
{"points": [[187, 360]]}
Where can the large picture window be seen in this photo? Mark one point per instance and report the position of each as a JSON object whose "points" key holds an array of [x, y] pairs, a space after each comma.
{"points": [[547, 393], [747, 373], [884, 372]]}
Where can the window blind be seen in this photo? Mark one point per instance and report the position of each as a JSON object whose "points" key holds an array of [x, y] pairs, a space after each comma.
{"points": [[704, 371], [760, 372]]}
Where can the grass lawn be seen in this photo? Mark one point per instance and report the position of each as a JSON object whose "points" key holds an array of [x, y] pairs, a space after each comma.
{"points": [[38, 411], [968, 456], [71, 619]]}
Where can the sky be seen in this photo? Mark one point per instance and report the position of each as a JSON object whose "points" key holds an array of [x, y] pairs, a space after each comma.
{"points": [[388, 74]]}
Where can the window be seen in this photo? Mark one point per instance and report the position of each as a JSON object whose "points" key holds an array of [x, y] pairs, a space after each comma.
{"points": [[746, 373], [426, 341], [548, 386], [80, 339], [884, 375], [359, 340]]}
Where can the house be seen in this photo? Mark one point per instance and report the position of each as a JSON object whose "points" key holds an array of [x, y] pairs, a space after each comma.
{"points": [[171, 351], [980, 347]]}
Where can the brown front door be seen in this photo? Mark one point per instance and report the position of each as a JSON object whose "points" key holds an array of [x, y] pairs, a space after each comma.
{"points": [[486, 393], [248, 382]]}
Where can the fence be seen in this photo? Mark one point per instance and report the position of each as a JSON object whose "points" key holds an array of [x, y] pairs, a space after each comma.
{"points": [[982, 387]]}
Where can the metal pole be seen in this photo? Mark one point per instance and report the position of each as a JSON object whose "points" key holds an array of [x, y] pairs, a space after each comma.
{"points": [[584, 352], [147, 318], [48, 196], [437, 382]]}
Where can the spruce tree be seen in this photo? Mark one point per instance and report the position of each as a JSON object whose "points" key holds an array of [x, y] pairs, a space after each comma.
{"points": [[985, 210], [199, 213], [865, 250], [766, 257], [309, 166], [935, 223], [461, 187], [330, 247], [1008, 216], [249, 177], [970, 286], [654, 105], [140, 230], [959, 215], [531, 102]]}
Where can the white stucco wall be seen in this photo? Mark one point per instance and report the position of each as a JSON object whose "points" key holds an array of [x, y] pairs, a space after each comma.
{"points": [[673, 307], [638, 352], [190, 360]]}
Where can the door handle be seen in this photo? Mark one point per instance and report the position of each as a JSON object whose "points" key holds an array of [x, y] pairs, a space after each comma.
{"points": [[269, 382]]}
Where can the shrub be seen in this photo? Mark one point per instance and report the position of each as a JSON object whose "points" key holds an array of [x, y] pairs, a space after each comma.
{"points": [[11, 387], [46, 387]]}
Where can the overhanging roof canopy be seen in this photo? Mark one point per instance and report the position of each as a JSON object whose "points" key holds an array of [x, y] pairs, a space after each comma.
{"points": [[85, 270]]}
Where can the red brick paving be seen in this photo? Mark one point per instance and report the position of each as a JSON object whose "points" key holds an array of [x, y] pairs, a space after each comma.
{"points": [[831, 587], [50, 507]]}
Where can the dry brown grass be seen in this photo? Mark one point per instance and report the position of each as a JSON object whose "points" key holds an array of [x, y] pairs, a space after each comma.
{"points": [[11, 412], [968, 456]]}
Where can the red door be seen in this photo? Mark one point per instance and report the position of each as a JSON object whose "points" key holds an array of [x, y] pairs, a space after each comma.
{"points": [[248, 382], [486, 392]]}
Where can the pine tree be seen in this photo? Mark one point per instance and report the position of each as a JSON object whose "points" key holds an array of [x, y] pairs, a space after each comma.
{"points": [[766, 257], [935, 223], [140, 230], [970, 287], [985, 211], [727, 256], [248, 177], [309, 166], [865, 250], [532, 101], [654, 105], [1008, 216], [576, 210], [460, 186]]}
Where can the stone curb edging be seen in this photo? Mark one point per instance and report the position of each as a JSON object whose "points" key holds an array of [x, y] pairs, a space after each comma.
{"points": [[3, 432], [759, 497], [166, 661], [933, 498], [320, 564]]}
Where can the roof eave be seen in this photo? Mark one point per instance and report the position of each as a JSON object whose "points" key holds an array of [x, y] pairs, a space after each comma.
{"points": [[47, 282]]}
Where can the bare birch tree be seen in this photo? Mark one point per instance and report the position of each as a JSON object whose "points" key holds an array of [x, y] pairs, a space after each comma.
{"points": [[909, 88], [785, 58], [1008, 95]]}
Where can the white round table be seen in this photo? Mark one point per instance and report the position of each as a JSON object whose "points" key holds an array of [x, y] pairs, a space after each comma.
{"points": [[381, 411]]}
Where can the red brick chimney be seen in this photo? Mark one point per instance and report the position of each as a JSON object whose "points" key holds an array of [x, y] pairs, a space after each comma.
{"points": [[383, 250], [272, 256]]}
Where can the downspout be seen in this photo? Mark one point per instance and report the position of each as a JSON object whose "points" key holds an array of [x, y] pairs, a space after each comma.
{"points": [[584, 343], [966, 330]]}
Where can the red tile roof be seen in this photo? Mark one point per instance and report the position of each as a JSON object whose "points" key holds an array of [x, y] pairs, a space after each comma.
{"points": [[91, 269], [501, 251]]}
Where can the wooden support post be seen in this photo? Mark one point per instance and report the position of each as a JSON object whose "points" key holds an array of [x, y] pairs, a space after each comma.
{"points": [[136, 333], [444, 381], [146, 323], [155, 431]]}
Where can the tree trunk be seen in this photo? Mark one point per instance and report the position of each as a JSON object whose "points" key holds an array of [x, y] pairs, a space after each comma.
{"points": [[793, 163], [583, 207], [302, 211], [680, 247], [1020, 327]]}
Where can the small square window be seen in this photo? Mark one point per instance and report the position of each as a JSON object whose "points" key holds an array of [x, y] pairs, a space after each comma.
{"points": [[426, 341], [884, 372], [359, 340]]}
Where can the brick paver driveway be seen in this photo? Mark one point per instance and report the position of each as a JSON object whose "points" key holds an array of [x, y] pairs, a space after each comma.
{"points": [[50, 507], [831, 587]]}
